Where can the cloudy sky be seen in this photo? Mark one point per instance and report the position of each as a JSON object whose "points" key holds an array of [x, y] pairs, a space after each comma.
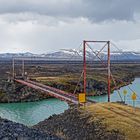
{"points": [[42, 26]]}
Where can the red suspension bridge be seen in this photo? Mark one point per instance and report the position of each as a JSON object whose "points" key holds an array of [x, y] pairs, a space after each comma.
{"points": [[68, 97], [62, 95]]}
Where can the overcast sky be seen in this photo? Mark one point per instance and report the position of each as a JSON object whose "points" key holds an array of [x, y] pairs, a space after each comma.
{"points": [[42, 26]]}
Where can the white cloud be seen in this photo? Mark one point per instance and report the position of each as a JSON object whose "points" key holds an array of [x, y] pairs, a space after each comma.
{"points": [[132, 45], [95, 10], [40, 26]]}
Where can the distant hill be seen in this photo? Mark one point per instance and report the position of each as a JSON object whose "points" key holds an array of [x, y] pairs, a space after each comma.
{"points": [[73, 55]]}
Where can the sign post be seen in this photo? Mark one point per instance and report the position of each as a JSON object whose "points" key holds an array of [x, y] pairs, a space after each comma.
{"points": [[134, 97], [124, 93], [82, 98]]}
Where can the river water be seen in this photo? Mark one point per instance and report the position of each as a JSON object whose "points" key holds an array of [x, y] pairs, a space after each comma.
{"points": [[135, 86], [33, 112]]}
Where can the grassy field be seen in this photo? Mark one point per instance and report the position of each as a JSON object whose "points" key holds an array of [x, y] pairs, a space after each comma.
{"points": [[116, 116]]}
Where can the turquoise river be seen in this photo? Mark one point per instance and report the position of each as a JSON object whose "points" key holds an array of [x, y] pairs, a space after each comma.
{"points": [[33, 112]]}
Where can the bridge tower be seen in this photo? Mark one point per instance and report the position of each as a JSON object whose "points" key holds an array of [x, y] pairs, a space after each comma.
{"points": [[13, 68], [23, 68], [85, 45], [23, 75], [109, 71]]}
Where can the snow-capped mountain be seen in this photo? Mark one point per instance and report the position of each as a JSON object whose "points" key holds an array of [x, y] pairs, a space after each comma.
{"points": [[11, 55], [76, 55]]}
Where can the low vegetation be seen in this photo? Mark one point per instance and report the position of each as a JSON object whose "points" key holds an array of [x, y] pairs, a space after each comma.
{"points": [[118, 117]]}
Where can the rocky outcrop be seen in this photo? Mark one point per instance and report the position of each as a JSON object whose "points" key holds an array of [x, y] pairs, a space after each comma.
{"points": [[14, 131], [94, 87], [14, 92], [76, 124]]}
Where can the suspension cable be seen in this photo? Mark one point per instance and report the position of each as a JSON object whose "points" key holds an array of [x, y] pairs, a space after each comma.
{"points": [[129, 59], [78, 82], [106, 66]]}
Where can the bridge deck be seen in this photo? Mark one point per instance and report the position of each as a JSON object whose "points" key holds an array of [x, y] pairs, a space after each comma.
{"points": [[50, 90]]}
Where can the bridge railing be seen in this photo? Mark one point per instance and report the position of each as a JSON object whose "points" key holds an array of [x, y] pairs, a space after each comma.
{"points": [[52, 88]]}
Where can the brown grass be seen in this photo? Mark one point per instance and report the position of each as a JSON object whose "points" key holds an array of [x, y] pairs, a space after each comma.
{"points": [[116, 116]]}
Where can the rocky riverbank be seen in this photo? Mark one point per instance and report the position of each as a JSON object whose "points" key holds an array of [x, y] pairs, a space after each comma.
{"points": [[100, 121], [14, 92], [95, 86], [77, 124], [15, 131]]}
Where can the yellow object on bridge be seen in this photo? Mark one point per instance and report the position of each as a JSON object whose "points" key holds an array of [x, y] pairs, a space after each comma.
{"points": [[82, 98]]}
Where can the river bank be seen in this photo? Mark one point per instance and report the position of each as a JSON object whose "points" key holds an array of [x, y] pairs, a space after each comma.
{"points": [[12, 92], [101, 121], [78, 124], [14, 131], [31, 113]]}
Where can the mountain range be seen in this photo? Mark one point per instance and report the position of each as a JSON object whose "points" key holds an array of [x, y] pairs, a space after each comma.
{"points": [[74, 55]]}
